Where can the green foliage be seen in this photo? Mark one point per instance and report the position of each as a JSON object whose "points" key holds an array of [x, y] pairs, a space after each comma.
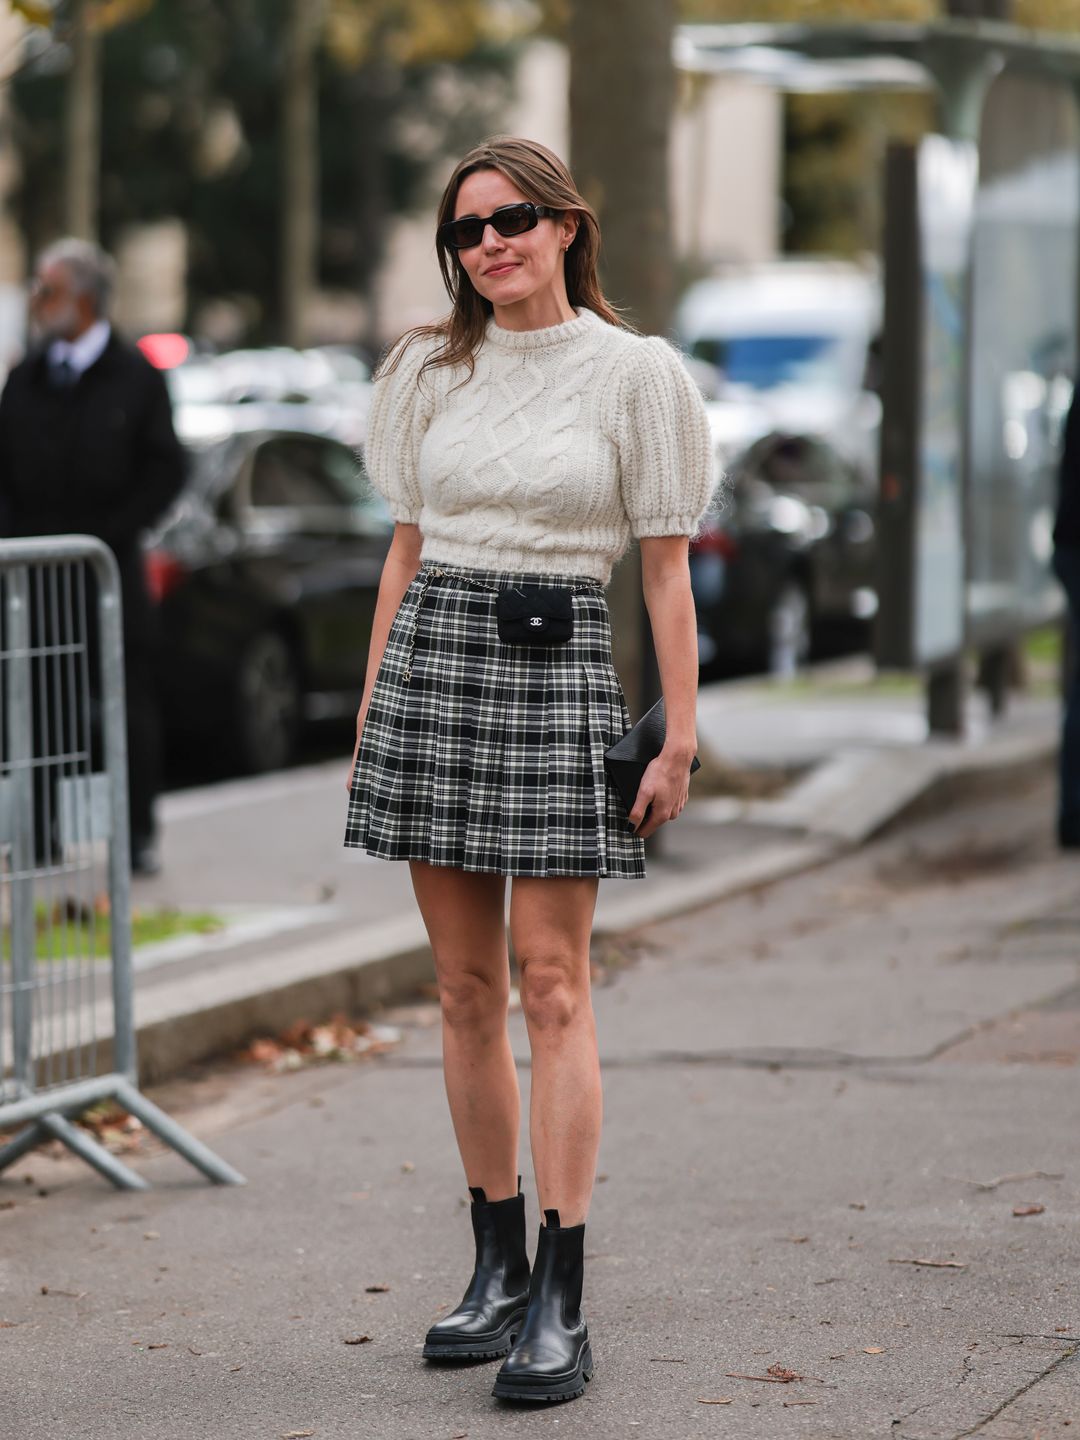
{"points": [[191, 128], [1048, 14], [34, 12], [102, 15], [718, 11], [834, 149]]}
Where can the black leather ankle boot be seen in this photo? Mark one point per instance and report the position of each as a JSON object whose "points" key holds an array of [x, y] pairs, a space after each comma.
{"points": [[551, 1358], [484, 1324]]}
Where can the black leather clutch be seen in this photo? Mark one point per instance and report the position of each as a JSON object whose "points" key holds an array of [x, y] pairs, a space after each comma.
{"points": [[627, 759]]}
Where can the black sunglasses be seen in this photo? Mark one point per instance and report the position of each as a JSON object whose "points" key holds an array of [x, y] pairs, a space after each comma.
{"points": [[463, 234]]}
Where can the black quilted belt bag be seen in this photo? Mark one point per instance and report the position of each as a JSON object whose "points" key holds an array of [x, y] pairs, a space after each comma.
{"points": [[535, 614]]}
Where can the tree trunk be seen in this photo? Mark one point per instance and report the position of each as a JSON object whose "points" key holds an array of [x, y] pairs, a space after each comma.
{"points": [[300, 169], [83, 127], [371, 88], [622, 84], [621, 93]]}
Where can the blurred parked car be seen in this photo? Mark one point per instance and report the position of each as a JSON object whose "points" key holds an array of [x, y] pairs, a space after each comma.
{"points": [[332, 377], [790, 560], [265, 573], [795, 343]]}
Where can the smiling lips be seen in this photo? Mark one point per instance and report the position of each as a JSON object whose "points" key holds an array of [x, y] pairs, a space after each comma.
{"points": [[501, 269]]}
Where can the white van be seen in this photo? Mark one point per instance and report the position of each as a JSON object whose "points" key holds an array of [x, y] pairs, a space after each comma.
{"points": [[795, 346]]}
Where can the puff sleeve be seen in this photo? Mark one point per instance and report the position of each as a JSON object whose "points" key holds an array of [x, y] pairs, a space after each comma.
{"points": [[400, 411], [666, 461]]}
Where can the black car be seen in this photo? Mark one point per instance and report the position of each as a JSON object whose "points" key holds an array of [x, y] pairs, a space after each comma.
{"points": [[789, 563], [265, 574]]}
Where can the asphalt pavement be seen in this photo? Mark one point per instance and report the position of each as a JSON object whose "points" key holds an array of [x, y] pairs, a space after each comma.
{"points": [[838, 1191]]}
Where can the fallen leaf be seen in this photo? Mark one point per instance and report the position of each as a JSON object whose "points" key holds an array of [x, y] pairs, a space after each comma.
{"points": [[720, 1400], [193, 1351], [776, 1375], [856, 1205], [797, 1239], [376, 1289], [934, 1264], [789, 1403], [407, 1167], [358, 1340], [1028, 1209], [779, 1372], [873, 1349]]}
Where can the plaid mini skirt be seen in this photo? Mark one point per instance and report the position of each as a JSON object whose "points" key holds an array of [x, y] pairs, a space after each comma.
{"points": [[489, 756]]}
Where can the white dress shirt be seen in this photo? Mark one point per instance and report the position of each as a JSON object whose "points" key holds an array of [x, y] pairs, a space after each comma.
{"points": [[82, 352]]}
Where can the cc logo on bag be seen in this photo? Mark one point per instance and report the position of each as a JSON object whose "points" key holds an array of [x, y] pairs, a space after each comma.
{"points": [[536, 621]]}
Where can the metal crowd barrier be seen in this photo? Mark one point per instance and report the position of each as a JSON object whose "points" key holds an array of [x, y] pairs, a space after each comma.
{"points": [[65, 874]]}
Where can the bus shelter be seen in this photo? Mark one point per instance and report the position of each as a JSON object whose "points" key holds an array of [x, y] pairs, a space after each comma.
{"points": [[981, 321]]}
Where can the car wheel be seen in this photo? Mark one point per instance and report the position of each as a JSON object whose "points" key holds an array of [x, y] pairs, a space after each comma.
{"points": [[267, 704], [789, 630]]}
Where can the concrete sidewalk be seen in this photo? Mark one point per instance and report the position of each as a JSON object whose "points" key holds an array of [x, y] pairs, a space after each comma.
{"points": [[316, 928], [825, 1103]]}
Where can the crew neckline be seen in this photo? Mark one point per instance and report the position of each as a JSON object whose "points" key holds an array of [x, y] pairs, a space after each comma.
{"points": [[583, 320]]}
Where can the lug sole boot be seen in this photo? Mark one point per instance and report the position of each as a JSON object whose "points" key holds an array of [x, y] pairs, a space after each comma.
{"points": [[490, 1314], [551, 1358]]}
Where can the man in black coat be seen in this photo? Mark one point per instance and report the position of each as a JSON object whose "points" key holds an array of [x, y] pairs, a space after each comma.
{"points": [[87, 447], [1067, 569]]}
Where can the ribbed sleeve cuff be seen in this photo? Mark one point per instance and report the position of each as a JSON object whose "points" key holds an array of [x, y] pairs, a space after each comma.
{"points": [[404, 514], [648, 525]]}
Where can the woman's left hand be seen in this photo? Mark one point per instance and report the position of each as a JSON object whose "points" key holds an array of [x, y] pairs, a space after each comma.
{"points": [[666, 786]]}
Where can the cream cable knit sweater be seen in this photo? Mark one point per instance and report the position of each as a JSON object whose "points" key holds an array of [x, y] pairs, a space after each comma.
{"points": [[565, 442]]}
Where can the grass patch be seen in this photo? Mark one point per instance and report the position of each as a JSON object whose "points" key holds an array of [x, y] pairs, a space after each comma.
{"points": [[1044, 646], [816, 687], [70, 928]]}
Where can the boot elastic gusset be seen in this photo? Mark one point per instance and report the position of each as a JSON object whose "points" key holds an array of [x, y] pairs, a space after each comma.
{"points": [[551, 1359]]}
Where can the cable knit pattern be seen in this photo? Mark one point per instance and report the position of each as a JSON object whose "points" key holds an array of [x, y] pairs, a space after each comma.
{"points": [[564, 444]]}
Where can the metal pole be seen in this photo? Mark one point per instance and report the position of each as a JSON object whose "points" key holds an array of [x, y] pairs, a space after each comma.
{"points": [[21, 751], [114, 734], [963, 79]]}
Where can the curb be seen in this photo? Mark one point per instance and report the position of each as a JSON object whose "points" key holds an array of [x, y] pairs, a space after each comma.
{"points": [[380, 965], [183, 1022]]}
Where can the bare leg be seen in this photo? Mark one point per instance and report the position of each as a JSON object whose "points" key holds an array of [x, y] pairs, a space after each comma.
{"points": [[550, 925], [465, 919]]}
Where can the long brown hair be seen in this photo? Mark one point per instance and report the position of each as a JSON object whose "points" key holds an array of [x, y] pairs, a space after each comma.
{"points": [[542, 178]]}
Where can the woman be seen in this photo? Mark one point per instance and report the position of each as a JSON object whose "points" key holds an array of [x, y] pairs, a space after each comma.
{"points": [[526, 438]]}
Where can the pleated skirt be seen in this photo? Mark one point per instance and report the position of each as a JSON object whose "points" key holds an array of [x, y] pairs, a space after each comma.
{"points": [[489, 756]]}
